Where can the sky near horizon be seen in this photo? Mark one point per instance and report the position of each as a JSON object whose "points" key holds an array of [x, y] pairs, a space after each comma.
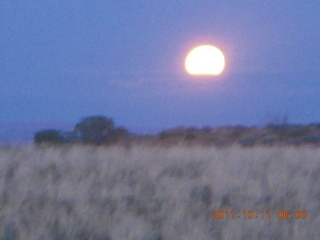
{"points": [[61, 61]]}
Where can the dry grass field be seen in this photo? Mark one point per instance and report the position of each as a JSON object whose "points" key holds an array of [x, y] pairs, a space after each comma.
{"points": [[158, 193]]}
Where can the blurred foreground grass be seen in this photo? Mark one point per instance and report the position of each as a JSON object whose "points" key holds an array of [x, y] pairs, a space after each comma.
{"points": [[153, 193]]}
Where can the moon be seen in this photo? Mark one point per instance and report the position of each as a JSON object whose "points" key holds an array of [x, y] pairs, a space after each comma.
{"points": [[205, 60]]}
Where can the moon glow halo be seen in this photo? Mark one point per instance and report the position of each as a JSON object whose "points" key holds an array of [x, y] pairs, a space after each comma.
{"points": [[205, 60]]}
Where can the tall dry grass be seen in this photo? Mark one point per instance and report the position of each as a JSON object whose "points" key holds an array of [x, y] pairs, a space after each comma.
{"points": [[153, 193]]}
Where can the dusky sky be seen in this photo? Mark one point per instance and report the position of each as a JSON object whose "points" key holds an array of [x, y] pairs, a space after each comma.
{"points": [[61, 61]]}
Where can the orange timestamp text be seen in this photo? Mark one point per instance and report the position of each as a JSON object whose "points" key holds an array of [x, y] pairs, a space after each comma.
{"points": [[259, 215]]}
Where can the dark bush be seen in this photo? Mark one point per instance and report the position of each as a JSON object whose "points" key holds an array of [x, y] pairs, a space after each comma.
{"points": [[191, 133], [190, 136], [50, 136], [237, 131], [297, 131], [247, 141], [311, 139], [163, 135], [287, 132], [269, 140], [206, 129]]}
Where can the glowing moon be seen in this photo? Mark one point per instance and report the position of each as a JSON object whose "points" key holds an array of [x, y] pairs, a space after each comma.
{"points": [[205, 60]]}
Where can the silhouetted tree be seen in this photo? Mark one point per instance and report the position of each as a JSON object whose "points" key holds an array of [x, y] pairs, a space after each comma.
{"points": [[94, 129]]}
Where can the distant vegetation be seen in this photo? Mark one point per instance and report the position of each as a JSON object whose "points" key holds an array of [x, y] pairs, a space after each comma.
{"points": [[269, 135], [95, 130], [100, 130], [49, 136]]}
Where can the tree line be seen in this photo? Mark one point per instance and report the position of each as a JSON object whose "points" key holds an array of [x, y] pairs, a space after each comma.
{"points": [[99, 130]]}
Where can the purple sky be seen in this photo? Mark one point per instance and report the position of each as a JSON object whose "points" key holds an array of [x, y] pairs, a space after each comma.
{"points": [[64, 60]]}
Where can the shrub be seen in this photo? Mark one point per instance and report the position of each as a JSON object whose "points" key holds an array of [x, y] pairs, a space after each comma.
{"points": [[190, 136], [50, 136], [298, 131], [237, 131], [287, 132], [206, 129], [247, 141], [269, 140], [311, 139], [191, 133], [163, 135]]}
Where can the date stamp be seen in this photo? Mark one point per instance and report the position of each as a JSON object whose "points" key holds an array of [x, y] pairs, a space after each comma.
{"points": [[286, 214]]}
